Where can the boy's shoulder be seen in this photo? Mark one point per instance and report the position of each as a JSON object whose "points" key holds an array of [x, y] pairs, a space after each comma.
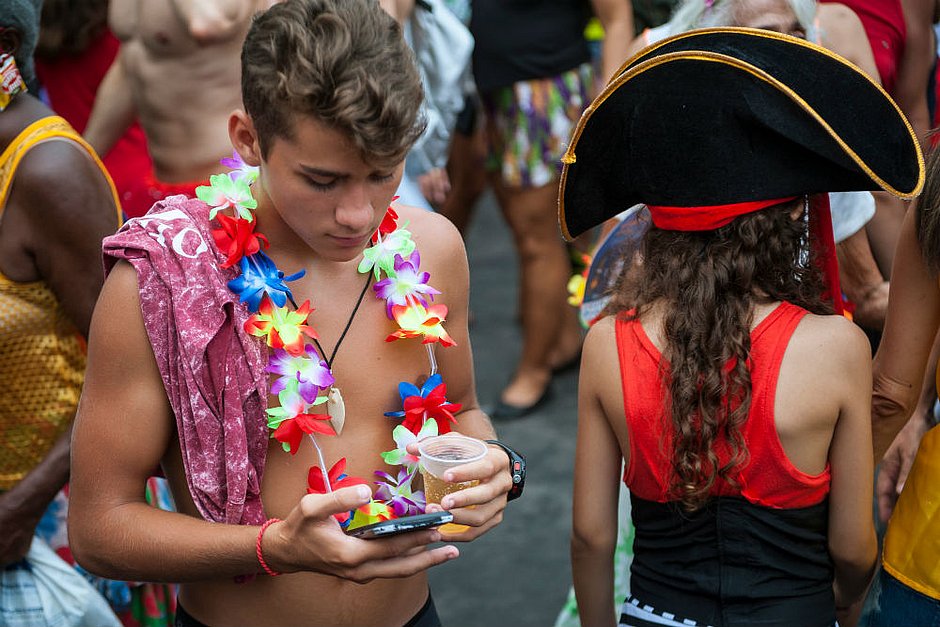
{"points": [[437, 238], [176, 227], [424, 223]]}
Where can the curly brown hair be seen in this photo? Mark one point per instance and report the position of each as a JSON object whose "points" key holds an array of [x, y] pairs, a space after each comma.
{"points": [[343, 62], [709, 283]]}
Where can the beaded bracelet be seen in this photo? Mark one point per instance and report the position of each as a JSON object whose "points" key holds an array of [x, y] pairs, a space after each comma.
{"points": [[264, 565]]}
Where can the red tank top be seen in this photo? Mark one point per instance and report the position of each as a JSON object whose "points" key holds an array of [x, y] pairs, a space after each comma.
{"points": [[768, 479], [883, 21]]}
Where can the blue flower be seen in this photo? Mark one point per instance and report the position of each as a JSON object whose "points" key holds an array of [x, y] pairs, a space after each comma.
{"points": [[406, 389], [260, 276]]}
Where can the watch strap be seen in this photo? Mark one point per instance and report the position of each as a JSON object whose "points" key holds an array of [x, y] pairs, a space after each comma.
{"points": [[517, 469]]}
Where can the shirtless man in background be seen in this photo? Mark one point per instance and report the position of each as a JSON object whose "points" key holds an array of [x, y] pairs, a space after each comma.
{"points": [[178, 73]]}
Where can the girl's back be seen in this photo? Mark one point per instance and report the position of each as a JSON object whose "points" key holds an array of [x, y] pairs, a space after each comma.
{"points": [[758, 550], [721, 136]]}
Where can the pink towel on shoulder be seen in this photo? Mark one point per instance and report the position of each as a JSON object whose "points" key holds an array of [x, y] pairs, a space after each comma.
{"points": [[212, 371]]}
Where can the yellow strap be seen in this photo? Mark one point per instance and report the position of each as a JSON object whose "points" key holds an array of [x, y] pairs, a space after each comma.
{"points": [[43, 129]]}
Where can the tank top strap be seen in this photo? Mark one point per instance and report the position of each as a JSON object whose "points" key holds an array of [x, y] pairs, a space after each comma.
{"points": [[45, 129], [642, 386], [769, 341]]}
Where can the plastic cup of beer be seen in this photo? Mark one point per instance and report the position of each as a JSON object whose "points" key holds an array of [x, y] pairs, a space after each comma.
{"points": [[440, 453]]}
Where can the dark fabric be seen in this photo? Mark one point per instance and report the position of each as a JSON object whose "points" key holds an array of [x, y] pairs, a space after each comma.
{"points": [[520, 40], [732, 563], [701, 129], [184, 619], [426, 617], [651, 13], [467, 118], [897, 605]]}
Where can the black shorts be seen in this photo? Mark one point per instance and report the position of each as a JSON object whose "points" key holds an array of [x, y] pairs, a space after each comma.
{"points": [[426, 617]]}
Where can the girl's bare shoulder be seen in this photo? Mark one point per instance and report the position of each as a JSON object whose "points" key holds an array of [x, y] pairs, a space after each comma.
{"points": [[830, 341], [599, 356]]}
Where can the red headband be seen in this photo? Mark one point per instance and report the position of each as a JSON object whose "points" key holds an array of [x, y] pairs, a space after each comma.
{"points": [[712, 217], [706, 218]]}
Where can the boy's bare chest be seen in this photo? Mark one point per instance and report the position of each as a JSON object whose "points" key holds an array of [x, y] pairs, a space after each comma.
{"points": [[367, 370]]}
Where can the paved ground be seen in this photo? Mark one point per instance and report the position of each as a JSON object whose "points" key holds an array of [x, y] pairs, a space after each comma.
{"points": [[519, 573]]}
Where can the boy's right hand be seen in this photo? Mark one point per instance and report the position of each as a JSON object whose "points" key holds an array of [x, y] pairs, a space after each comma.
{"points": [[310, 539]]}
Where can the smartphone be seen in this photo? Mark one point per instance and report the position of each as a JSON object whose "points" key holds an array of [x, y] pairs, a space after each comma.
{"points": [[387, 528]]}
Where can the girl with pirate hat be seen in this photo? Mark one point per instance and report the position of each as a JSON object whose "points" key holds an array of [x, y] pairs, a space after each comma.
{"points": [[720, 388]]}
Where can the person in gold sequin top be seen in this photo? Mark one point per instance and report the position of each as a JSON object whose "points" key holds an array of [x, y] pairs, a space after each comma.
{"points": [[56, 204]]}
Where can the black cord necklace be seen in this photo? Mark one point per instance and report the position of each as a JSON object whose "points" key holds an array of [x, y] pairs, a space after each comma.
{"points": [[329, 362], [335, 406]]}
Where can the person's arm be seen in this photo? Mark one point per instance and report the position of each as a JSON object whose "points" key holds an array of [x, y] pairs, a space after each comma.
{"points": [[910, 326], [897, 462], [65, 206], [440, 240], [616, 17], [114, 109], [861, 280], [852, 542], [69, 207], [844, 34], [122, 431], [596, 486], [920, 52], [22, 506], [215, 21]]}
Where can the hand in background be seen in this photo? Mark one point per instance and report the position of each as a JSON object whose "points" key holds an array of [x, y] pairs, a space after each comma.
{"points": [[434, 185], [897, 463]]}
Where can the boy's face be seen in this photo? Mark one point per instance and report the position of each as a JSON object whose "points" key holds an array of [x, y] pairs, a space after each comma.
{"points": [[324, 191]]}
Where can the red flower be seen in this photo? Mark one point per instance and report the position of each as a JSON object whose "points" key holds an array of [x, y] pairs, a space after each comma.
{"points": [[435, 406], [388, 223], [292, 430], [237, 239], [337, 479]]}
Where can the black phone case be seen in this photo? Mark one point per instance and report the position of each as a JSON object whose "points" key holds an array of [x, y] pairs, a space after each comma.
{"points": [[387, 528]]}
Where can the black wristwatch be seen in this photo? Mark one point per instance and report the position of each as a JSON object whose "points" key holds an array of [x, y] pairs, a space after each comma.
{"points": [[516, 469]]}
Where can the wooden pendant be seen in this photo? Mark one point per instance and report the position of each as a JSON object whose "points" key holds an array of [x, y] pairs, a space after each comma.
{"points": [[336, 409]]}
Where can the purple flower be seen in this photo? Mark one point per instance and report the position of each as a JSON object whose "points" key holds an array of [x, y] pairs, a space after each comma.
{"points": [[241, 170], [397, 493], [310, 372], [260, 276], [406, 284]]}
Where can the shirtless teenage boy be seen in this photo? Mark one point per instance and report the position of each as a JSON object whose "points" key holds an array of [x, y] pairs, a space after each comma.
{"points": [[332, 100]]}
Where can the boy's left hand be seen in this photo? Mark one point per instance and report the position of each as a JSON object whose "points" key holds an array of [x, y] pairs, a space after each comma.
{"points": [[480, 507]]}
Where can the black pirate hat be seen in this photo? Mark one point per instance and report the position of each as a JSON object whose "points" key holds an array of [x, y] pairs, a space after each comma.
{"points": [[724, 116]]}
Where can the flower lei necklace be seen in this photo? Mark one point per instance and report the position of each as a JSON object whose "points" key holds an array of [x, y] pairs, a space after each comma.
{"points": [[304, 376]]}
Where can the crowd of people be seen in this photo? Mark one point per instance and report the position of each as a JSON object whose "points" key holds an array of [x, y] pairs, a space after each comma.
{"points": [[217, 332]]}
